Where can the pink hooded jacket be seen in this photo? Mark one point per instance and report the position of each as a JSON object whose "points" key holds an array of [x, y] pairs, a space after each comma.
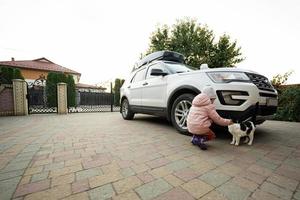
{"points": [[202, 114]]}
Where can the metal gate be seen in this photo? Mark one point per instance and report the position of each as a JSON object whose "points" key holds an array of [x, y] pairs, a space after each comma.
{"points": [[39, 101]]}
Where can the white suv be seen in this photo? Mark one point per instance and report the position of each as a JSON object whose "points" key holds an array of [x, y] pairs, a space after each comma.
{"points": [[161, 84]]}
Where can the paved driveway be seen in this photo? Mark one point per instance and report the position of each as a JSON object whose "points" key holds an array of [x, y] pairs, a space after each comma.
{"points": [[100, 156]]}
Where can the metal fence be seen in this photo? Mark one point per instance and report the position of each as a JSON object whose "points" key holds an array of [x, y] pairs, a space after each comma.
{"points": [[94, 102]]}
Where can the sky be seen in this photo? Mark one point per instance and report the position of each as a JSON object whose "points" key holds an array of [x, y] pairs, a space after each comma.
{"points": [[103, 39]]}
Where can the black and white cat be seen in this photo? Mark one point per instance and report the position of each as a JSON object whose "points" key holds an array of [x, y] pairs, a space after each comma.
{"points": [[243, 129]]}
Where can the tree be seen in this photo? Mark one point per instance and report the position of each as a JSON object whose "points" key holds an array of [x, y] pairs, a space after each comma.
{"points": [[117, 86], [71, 91], [7, 74], [280, 79], [196, 43], [51, 88]]}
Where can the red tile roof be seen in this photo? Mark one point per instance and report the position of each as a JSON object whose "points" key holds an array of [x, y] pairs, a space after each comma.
{"points": [[39, 64], [82, 85]]}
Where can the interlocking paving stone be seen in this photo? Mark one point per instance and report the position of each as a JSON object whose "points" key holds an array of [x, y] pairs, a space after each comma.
{"points": [[127, 184], [53, 166], [145, 177], [261, 195], [32, 187], [127, 172], [177, 165], [276, 190], [284, 182], [57, 192], [103, 192], [80, 186], [15, 166], [39, 177], [197, 188], [173, 180], [64, 179], [214, 178], [175, 194], [104, 179], [268, 165], [233, 192], [131, 195], [88, 173], [187, 174], [297, 195], [245, 183], [79, 196], [8, 187], [153, 189], [288, 171], [214, 195], [11, 174], [147, 151]]}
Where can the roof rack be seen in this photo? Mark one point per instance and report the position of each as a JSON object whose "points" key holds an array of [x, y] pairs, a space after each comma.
{"points": [[160, 55]]}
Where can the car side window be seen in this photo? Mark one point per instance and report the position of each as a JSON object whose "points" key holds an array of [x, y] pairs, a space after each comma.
{"points": [[155, 66], [139, 76]]}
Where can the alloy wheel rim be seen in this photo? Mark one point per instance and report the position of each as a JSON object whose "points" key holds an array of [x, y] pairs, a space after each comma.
{"points": [[125, 108], [181, 113]]}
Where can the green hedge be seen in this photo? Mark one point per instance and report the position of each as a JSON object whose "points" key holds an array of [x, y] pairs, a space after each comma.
{"points": [[117, 86], [289, 104], [7, 74], [51, 88]]}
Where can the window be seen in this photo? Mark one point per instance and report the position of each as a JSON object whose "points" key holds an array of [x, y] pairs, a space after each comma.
{"points": [[139, 76], [155, 66]]}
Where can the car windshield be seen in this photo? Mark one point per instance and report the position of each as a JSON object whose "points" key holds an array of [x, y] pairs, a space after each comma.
{"points": [[178, 67]]}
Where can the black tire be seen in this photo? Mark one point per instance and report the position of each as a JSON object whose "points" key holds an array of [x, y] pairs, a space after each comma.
{"points": [[127, 114], [180, 107]]}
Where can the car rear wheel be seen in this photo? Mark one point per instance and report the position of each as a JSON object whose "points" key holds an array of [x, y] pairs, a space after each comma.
{"points": [[125, 110], [180, 111]]}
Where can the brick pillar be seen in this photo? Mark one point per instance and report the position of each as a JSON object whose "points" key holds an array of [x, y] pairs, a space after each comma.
{"points": [[20, 101], [62, 106]]}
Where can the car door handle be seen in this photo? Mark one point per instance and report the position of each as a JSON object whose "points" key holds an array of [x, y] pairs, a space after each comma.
{"points": [[145, 83], [129, 86]]}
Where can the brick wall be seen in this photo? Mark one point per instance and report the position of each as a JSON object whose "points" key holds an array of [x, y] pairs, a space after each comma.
{"points": [[6, 100]]}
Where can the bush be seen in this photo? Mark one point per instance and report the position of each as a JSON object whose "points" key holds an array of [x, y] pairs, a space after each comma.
{"points": [[118, 85], [51, 88], [7, 74], [289, 104]]}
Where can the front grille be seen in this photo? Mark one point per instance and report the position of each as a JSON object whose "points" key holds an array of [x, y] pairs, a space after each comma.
{"points": [[262, 94], [260, 81]]}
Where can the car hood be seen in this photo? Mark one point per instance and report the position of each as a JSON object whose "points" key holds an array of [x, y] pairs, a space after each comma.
{"points": [[222, 69]]}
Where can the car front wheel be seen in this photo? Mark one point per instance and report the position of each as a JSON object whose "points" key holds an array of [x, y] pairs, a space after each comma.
{"points": [[180, 111], [125, 110]]}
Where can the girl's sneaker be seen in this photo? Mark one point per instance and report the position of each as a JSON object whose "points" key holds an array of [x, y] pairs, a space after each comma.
{"points": [[202, 145], [195, 140]]}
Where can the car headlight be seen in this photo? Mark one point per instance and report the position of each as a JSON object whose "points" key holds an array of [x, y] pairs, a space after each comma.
{"points": [[225, 77]]}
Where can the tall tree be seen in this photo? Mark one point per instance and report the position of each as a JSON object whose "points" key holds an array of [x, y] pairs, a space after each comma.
{"points": [[196, 43], [71, 90], [117, 86]]}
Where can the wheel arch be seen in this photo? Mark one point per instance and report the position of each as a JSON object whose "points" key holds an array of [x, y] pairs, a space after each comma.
{"points": [[176, 93]]}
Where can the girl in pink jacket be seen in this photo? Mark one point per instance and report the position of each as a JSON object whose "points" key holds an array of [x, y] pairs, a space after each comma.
{"points": [[201, 115]]}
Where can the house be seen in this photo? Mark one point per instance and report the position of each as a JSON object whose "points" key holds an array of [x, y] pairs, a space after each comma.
{"points": [[35, 69], [39, 68], [80, 87]]}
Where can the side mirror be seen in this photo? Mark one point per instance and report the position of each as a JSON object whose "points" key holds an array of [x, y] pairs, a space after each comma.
{"points": [[158, 72]]}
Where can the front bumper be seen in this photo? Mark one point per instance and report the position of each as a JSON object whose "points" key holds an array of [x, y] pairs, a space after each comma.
{"points": [[259, 113]]}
